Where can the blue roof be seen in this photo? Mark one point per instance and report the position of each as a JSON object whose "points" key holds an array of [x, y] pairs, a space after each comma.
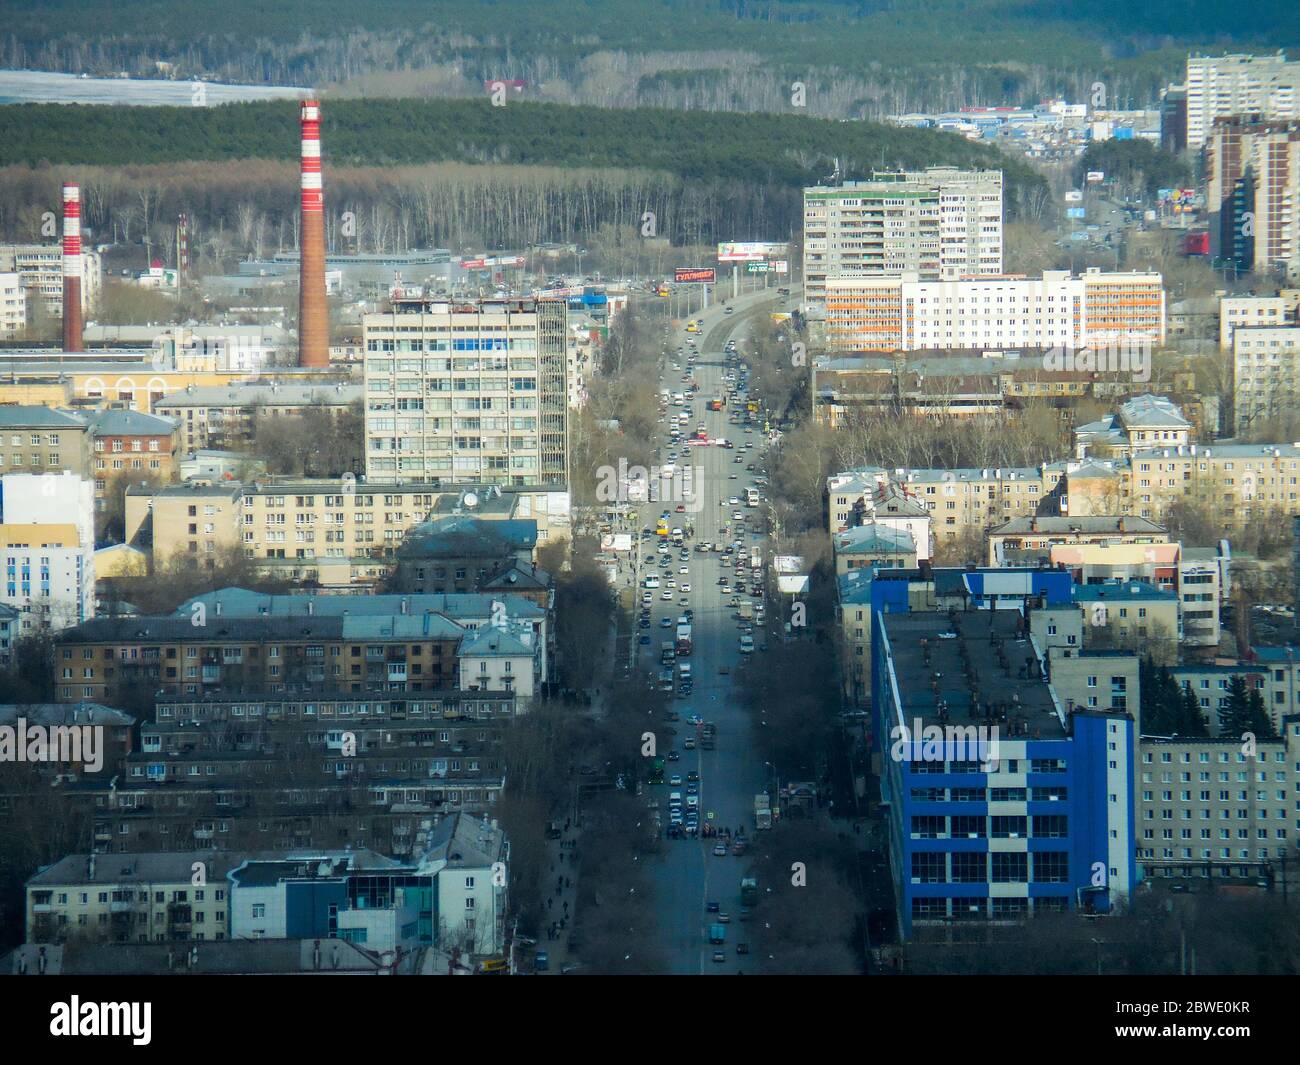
{"points": [[1121, 591]]}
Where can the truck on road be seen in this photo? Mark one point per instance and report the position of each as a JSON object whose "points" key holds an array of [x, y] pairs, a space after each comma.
{"points": [[762, 812], [683, 639], [749, 891], [717, 933]]}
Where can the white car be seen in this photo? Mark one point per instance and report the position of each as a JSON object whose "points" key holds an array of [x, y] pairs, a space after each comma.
{"points": [[666, 596], [686, 588], [733, 502]]}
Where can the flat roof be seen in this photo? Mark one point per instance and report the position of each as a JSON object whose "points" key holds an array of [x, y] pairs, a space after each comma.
{"points": [[949, 670]]}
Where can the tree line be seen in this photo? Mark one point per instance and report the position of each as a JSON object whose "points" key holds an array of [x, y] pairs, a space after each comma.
{"points": [[857, 58]]}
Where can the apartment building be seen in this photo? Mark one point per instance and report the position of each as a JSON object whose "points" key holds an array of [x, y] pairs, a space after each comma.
{"points": [[1207, 809], [340, 532], [1142, 422], [906, 312], [175, 655], [129, 443], [1241, 482], [1251, 312], [226, 417], [471, 611], [276, 770], [13, 306], [1265, 374], [468, 392], [40, 272], [938, 223], [957, 500], [1220, 86], [131, 898], [1252, 180], [1131, 615], [41, 440], [47, 536]]}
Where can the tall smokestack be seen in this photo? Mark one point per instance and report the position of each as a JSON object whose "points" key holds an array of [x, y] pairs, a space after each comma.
{"points": [[72, 268], [313, 313]]}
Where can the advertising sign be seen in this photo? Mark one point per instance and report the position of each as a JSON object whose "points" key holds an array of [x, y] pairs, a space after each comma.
{"points": [[1075, 212], [756, 268], [695, 276], [1074, 196], [781, 266], [1095, 176], [750, 251]]}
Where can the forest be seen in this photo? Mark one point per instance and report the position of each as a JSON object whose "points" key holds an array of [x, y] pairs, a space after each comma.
{"points": [[858, 58], [450, 173]]}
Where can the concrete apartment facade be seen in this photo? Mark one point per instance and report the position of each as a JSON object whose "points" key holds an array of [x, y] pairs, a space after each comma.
{"points": [[940, 223], [468, 392]]}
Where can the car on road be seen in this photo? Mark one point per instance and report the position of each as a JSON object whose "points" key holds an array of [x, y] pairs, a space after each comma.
{"points": [[689, 743], [673, 755], [675, 781], [712, 907], [665, 623], [737, 516], [666, 596], [683, 570], [742, 948], [733, 502], [720, 850], [692, 777], [645, 639], [724, 917], [647, 597], [720, 956], [686, 588]]}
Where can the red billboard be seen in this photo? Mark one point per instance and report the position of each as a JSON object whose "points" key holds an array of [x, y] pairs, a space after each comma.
{"points": [[688, 276]]}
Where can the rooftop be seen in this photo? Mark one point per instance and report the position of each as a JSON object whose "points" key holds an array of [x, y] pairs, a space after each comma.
{"points": [[1122, 591], [974, 667]]}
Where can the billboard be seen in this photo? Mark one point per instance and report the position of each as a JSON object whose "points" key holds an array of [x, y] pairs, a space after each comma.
{"points": [[1074, 196], [751, 251], [1075, 212], [685, 275], [757, 267], [781, 266], [616, 542], [490, 261], [1095, 176]]}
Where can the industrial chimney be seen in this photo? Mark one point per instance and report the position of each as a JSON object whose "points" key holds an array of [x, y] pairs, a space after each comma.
{"points": [[313, 313], [72, 268]]}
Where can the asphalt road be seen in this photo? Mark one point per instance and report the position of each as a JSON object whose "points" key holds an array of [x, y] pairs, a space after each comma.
{"points": [[689, 875]]}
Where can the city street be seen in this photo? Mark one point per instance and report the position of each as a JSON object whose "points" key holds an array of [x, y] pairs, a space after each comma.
{"points": [[691, 875]]}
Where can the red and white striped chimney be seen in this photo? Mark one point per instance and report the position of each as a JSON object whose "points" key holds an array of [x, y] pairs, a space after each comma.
{"points": [[313, 311], [72, 268]]}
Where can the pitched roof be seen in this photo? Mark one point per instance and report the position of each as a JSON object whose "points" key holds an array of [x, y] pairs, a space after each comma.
{"points": [[129, 423], [464, 536], [21, 417]]}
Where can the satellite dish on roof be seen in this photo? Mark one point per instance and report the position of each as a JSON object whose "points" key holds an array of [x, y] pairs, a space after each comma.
{"points": [[471, 499]]}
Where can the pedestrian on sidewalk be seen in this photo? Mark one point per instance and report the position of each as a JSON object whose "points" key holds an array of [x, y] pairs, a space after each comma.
{"points": [[550, 901]]}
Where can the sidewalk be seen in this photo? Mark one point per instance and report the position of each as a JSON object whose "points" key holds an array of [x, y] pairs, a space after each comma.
{"points": [[562, 867]]}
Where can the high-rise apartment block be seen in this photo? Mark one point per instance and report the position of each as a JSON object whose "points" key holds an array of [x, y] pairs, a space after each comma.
{"points": [[1218, 86], [467, 392], [1252, 177], [940, 224], [40, 272]]}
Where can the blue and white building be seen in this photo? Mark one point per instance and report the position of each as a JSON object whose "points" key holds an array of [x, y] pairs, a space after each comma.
{"points": [[1002, 803]]}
